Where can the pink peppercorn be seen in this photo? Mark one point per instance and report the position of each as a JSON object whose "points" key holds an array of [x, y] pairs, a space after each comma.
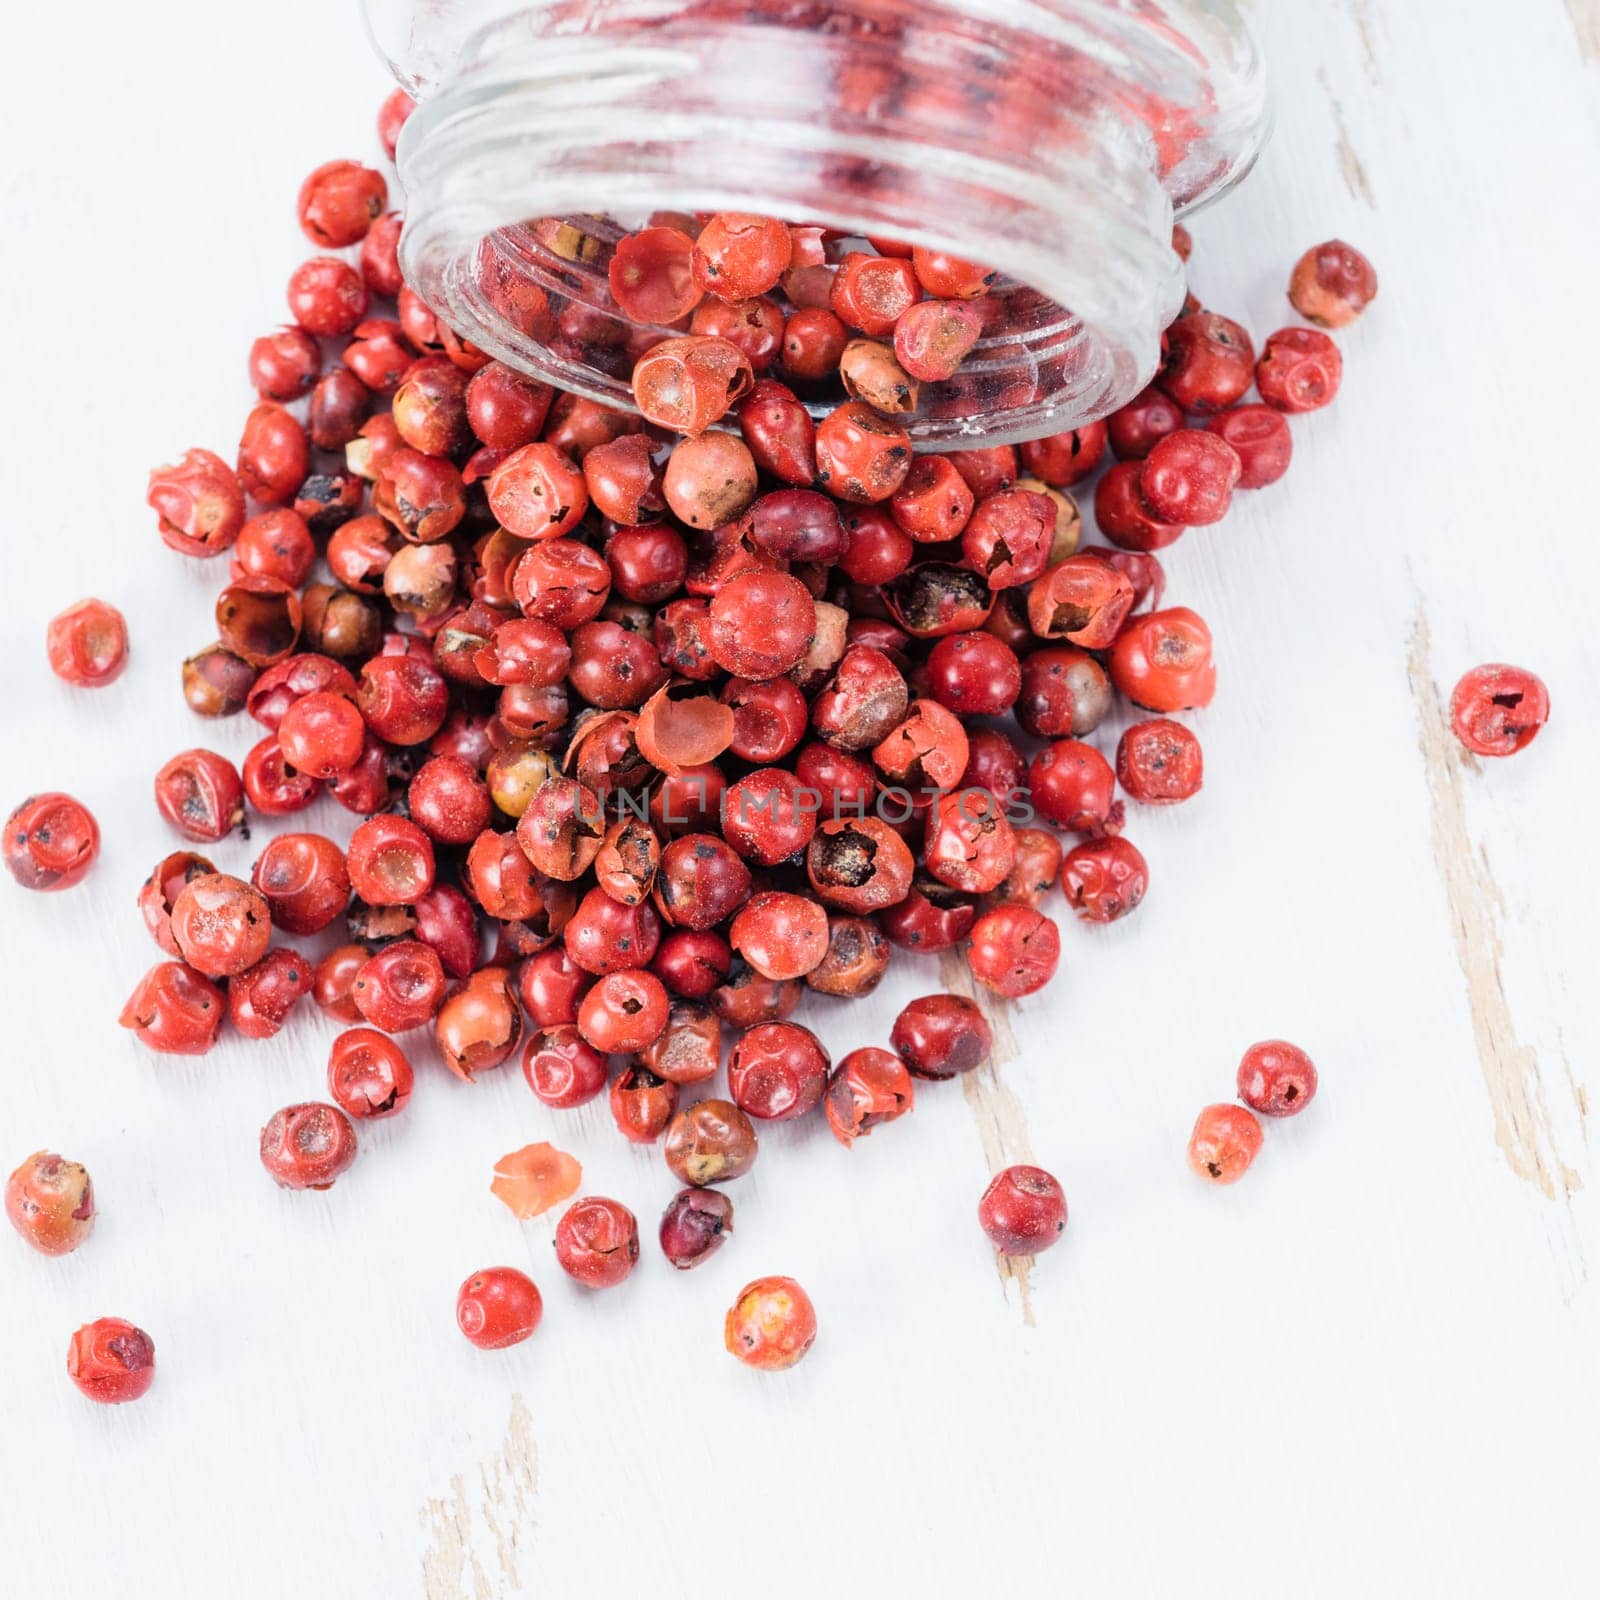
{"points": [[1023, 1211], [1276, 1078]]}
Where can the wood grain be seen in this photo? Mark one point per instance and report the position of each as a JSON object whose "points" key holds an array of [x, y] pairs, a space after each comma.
{"points": [[485, 1516], [1519, 1095], [998, 1113]]}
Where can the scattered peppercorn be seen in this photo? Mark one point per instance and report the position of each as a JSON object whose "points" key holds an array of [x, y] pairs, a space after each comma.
{"points": [[112, 1361], [1023, 1211]]}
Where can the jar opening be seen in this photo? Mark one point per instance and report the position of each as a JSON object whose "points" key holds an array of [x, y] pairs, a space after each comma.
{"points": [[990, 129]]}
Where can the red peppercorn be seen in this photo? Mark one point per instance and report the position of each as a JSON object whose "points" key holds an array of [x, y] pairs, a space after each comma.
{"points": [[390, 861], [274, 454], [1064, 691], [1034, 874], [1141, 424], [859, 864], [308, 1146], [1162, 660], [1260, 438], [338, 417], [261, 998], [871, 293], [694, 1226], [1123, 515], [221, 925], [687, 384], [424, 497], [1009, 536], [272, 786], [1082, 599], [624, 1012], [781, 935], [403, 699], [400, 987], [642, 1104], [1064, 459], [927, 750], [480, 1025], [498, 1307], [380, 357], [1104, 879], [51, 841], [1497, 710], [855, 961], [779, 433], [754, 327], [1188, 477], [863, 703], [813, 341], [1159, 762], [447, 923], [971, 844], [941, 1036], [771, 1325], [303, 879], [200, 503], [334, 979], [1014, 950], [536, 492], [259, 619], [1072, 786], [709, 480], [932, 505], [284, 364], [933, 338], [1023, 1211], [597, 1242], [987, 471], [561, 1068], [1226, 1139], [1276, 1079], [652, 276], [339, 202], [87, 644], [709, 1142], [368, 1074], [941, 273], [327, 297], [691, 963], [216, 682], [112, 1361], [868, 1087], [201, 795], [1332, 284], [862, 457], [175, 1010], [614, 667], [1209, 365], [994, 762], [322, 735], [1299, 370], [50, 1202], [931, 917], [738, 256], [380, 256], [277, 545], [778, 1071]]}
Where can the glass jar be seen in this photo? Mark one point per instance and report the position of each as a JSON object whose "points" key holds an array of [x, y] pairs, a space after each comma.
{"points": [[1053, 140]]}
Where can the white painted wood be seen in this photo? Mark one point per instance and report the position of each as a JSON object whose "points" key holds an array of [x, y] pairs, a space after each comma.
{"points": [[1369, 1369]]}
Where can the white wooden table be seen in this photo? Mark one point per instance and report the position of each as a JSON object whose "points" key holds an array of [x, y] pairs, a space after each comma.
{"points": [[1371, 1368]]}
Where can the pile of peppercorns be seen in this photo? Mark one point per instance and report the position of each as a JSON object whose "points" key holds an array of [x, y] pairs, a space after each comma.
{"points": [[653, 726]]}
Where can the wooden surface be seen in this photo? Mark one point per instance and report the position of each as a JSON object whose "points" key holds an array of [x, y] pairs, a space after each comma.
{"points": [[1371, 1368]]}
